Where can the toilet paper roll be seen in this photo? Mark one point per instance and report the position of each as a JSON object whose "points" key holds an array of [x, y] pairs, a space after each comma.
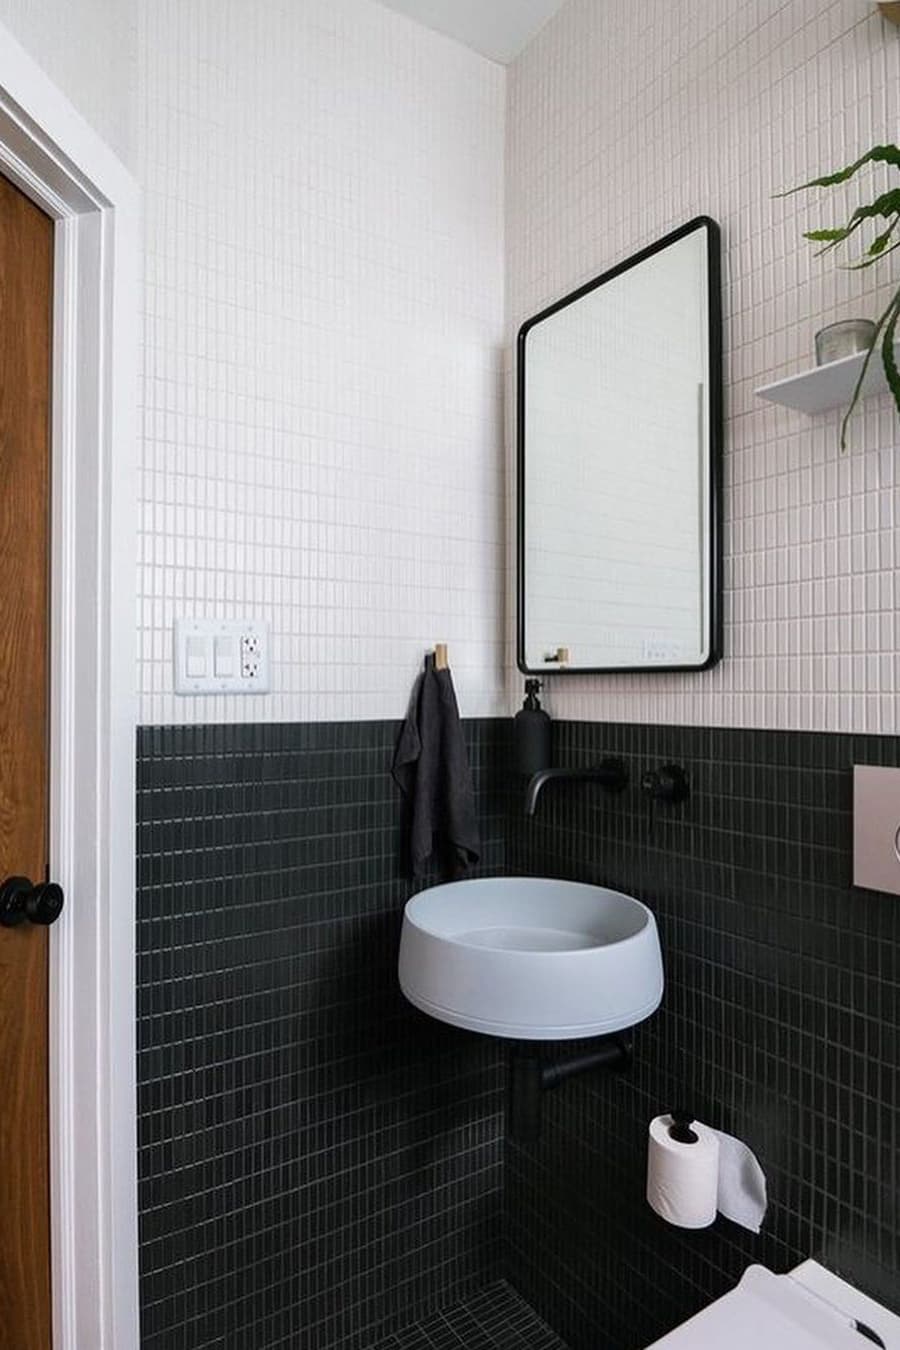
{"points": [[742, 1183], [683, 1179], [687, 1184]]}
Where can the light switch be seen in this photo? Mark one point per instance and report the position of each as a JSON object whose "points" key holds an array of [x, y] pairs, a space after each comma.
{"points": [[221, 656], [876, 828], [224, 658], [195, 657]]}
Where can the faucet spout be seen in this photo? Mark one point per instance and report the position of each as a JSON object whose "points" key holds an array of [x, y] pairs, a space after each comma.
{"points": [[610, 773]]}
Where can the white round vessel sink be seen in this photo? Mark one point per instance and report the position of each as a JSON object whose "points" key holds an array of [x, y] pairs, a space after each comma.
{"points": [[531, 958]]}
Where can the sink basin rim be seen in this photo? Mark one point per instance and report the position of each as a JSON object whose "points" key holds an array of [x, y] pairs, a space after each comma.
{"points": [[419, 901], [534, 991]]}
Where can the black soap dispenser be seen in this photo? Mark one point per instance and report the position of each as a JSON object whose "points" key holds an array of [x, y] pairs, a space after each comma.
{"points": [[532, 733]]}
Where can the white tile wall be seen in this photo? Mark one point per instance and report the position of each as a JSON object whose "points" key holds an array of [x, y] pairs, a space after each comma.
{"points": [[625, 120], [323, 336], [323, 326], [87, 47]]}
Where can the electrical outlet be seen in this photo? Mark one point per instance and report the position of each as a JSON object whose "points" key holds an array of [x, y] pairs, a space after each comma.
{"points": [[250, 653], [221, 656]]}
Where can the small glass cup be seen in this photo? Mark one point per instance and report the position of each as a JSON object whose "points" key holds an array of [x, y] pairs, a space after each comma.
{"points": [[843, 339]]}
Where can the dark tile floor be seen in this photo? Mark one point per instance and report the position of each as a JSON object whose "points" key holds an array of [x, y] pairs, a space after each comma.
{"points": [[496, 1318]]}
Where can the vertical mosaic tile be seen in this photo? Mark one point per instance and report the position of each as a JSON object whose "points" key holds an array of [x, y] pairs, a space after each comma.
{"points": [[624, 122], [322, 351], [319, 1164], [778, 1025]]}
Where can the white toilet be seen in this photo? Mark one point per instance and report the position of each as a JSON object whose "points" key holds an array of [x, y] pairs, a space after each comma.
{"points": [[809, 1309]]}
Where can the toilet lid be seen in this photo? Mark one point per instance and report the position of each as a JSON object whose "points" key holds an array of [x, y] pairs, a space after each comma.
{"points": [[770, 1310]]}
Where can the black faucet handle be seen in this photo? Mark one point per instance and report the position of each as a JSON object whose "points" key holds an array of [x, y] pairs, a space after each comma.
{"points": [[669, 783]]}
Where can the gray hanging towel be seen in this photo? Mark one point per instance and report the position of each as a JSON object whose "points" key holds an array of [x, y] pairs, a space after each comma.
{"points": [[431, 768]]}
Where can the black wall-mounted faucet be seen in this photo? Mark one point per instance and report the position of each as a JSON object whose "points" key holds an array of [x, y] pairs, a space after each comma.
{"points": [[610, 773]]}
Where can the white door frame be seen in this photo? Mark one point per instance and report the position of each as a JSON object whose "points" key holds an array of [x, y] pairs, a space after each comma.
{"points": [[50, 152]]}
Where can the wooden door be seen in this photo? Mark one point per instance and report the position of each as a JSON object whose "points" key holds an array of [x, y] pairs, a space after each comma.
{"points": [[26, 276]]}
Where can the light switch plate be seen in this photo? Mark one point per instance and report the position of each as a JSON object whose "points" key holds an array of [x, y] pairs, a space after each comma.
{"points": [[876, 828], [245, 640]]}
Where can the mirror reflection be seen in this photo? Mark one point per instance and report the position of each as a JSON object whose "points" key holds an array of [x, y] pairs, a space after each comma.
{"points": [[619, 442]]}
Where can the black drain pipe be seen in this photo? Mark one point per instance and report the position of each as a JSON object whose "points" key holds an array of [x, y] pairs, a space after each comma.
{"points": [[530, 1077]]}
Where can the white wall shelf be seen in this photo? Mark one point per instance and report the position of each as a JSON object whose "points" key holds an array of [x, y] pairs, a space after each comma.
{"points": [[829, 386]]}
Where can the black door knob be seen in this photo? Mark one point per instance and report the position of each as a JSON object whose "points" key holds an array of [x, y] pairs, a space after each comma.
{"points": [[20, 900], [13, 893], [45, 903]]}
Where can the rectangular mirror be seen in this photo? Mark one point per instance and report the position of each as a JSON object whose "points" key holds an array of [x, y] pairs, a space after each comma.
{"points": [[619, 452]]}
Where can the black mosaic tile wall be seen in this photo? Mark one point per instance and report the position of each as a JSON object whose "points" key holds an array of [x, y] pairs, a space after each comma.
{"points": [[494, 1318], [319, 1164], [779, 1025]]}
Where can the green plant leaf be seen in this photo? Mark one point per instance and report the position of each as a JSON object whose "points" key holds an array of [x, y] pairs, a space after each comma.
{"points": [[887, 206], [879, 244], [870, 262], [892, 310], [827, 236], [879, 154], [888, 354]]}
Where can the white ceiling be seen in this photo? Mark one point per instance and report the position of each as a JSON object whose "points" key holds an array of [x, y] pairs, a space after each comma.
{"points": [[496, 28]]}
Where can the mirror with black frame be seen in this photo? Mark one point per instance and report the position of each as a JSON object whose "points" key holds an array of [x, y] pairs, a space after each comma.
{"points": [[619, 451]]}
